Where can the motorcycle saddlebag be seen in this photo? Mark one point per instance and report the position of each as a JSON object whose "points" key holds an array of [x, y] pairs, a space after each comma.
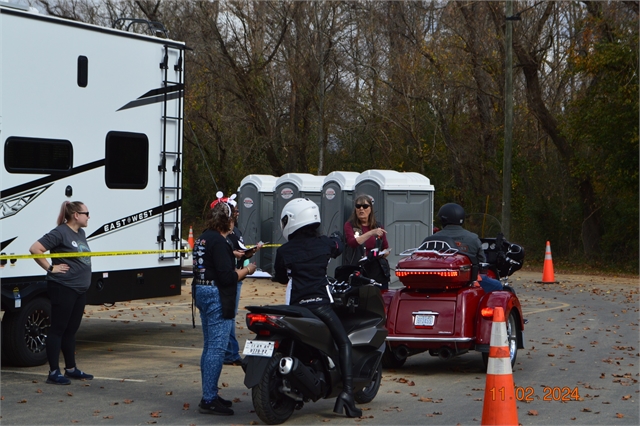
{"points": [[432, 270]]}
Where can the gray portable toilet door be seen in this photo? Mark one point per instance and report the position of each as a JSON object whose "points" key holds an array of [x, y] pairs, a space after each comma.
{"points": [[332, 207], [331, 212], [266, 230], [249, 220]]}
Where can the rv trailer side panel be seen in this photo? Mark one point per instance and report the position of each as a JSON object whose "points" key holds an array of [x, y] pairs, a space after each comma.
{"points": [[104, 94]]}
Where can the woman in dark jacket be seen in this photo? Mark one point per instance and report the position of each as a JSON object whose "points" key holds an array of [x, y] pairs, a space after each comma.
{"points": [[214, 290], [304, 259]]}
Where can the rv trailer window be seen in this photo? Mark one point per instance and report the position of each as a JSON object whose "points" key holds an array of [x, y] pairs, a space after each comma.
{"points": [[126, 160], [34, 155], [83, 71]]}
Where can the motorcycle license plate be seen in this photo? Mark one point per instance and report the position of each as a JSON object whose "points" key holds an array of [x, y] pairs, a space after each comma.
{"points": [[258, 348], [424, 320]]}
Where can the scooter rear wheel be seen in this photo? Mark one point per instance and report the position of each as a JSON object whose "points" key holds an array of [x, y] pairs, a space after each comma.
{"points": [[272, 406]]}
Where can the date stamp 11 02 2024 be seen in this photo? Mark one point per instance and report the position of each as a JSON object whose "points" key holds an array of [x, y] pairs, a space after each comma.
{"points": [[528, 394]]}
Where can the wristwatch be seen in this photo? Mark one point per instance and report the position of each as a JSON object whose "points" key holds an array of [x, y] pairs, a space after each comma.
{"points": [[50, 268]]}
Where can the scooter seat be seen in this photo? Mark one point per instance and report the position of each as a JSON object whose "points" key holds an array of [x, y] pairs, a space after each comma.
{"points": [[288, 310]]}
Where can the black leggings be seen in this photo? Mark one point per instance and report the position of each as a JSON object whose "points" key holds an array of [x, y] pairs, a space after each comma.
{"points": [[67, 307], [329, 317]]}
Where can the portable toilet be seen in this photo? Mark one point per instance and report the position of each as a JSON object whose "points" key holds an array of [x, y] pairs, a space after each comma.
{"points": [[402, 203], [255, 206], [288, 187], [336, 206]]}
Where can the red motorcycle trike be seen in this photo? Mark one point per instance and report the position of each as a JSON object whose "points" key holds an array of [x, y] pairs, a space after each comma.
{"points": [[442, 308]]}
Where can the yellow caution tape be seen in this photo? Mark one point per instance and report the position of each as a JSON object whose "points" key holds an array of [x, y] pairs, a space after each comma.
{"points": [[263, 246], [101, 253], [88, 254]]}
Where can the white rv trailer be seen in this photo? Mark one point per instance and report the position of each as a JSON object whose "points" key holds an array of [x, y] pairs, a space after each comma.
{"points": [[91, 114]]}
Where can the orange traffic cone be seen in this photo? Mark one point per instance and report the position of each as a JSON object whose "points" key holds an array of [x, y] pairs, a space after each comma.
{"points": [[190, 240], [547, 270], [499, 392]]}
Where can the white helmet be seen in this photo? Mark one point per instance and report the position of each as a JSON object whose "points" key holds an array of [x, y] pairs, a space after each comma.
{"points": [[298, 213]]}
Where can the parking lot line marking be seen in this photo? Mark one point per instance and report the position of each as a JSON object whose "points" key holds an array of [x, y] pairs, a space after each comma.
{"points": [[138, 344], [532, 310], [115, 379]]}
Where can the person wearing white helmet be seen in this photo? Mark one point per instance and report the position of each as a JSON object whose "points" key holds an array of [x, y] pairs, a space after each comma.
{"points": [[303, 260]]}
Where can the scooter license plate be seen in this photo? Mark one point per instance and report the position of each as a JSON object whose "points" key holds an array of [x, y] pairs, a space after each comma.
{"points": [[424, 320], [258, 348]]}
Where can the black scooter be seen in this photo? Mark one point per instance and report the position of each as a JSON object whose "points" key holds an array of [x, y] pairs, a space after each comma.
{"points": [[293, 358]]}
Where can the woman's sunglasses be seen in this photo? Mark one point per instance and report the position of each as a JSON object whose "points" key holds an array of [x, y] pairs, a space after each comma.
{"points": [[363, 206]]}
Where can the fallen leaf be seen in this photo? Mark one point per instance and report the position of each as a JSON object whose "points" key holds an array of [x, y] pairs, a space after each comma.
{"points": [[626, 397], [619, 415], [532, 412], [128, 401], [156, 414]]}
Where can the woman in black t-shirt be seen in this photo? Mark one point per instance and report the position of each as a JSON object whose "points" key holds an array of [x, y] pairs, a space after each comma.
{"points": [[68, 280]]}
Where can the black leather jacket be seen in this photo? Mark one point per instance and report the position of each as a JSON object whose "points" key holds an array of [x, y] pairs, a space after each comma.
{"points": [[305, 260]]}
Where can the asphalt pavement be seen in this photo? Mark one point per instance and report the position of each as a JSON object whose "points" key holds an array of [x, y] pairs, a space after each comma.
{"points": [[581, 340]]}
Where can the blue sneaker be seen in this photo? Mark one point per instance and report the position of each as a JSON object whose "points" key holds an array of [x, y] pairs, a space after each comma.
{"points": [[56, 378], [77, 374]]}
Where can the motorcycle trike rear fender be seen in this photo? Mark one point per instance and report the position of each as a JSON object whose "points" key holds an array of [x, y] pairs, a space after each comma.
{"points": [[510, 304]]}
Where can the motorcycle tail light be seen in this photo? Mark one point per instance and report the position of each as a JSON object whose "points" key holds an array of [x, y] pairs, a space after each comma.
{"points": [[486, 312], [263, 319], [439, 273]]}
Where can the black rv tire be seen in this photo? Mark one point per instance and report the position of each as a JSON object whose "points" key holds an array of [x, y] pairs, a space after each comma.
{"points": [[272, 406], [24, 333], [366, 395], [512, 334], [389, 360]]}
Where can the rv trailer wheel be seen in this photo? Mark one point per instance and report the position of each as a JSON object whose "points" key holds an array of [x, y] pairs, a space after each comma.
{"points": [[24, 333]]}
